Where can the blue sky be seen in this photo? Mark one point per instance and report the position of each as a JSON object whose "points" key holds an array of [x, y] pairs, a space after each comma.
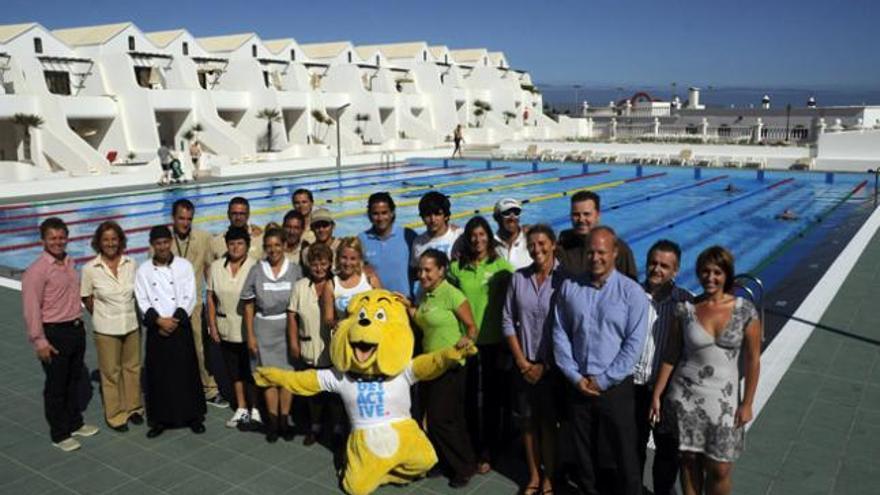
{"points": [[791, 43]]}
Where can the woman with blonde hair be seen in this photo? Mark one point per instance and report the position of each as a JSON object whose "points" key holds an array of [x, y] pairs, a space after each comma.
{"points": [[352, 276]]}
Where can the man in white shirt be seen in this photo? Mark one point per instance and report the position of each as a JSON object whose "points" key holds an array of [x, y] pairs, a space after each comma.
{"points": [[434, 208], [165, 289], [511, 236]]}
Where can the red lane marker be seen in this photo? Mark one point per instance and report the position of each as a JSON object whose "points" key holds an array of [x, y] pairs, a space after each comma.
{"points": [[26, 245], [588, 174], [69, 222], [859, 187], [780, 183], [530, 172], [644, 177]]}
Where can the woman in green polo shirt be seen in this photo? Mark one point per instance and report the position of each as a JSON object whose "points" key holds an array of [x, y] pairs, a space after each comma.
{"points": [[483, 277], [444, 317]]}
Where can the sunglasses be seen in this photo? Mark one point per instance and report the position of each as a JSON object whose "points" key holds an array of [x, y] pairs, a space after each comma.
{"points": [[513, 212], [321, 225]]}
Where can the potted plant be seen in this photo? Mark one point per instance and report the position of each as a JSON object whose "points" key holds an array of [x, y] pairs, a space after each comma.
{"points": [[508, 116], [269, 115], [27, 122]]}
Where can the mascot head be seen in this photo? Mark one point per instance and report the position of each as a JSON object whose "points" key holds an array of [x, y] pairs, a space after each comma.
{"points": [[376, 338]]}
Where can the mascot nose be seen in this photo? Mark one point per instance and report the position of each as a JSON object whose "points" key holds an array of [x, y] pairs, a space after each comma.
{"points": [[364, 322]]}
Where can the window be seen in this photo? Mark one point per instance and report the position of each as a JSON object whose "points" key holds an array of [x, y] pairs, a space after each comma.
{"points": [[724, 131], [143, 75], [254, 51], [203, 79], [38, 45], [131, 46], [292, 54], [266, 78], [57, 81], [349, 57], [185, 47], [377, 61], [424, 56], [485, 61], [446, 58]]}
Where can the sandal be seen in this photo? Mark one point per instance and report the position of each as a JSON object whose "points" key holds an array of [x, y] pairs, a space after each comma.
{"points": [[531, 490], [484, 467]]}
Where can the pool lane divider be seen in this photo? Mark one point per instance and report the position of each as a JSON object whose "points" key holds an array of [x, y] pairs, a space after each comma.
{"points": [[219, 203], [537, 199], [672, 223], [204, 185], [410, 189], [263, 211], [239, 192]]}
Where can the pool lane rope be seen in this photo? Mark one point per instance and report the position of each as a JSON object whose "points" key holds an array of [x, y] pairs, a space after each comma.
{"points": [[546, 197]]}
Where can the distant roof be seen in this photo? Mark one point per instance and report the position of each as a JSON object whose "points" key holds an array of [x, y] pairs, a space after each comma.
{"points": [[470, 55], [275, 46], [497, 57], [164, 38], [325, 50], [90, 35], [396, 50], [438, 50], [11, 31], [226, 43]]}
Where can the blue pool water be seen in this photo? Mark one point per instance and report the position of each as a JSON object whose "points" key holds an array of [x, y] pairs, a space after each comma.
{"points": [[667, 202]]}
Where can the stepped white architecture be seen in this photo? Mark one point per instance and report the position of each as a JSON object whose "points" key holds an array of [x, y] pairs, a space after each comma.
{"points": [[98, 102], [101, 100]]}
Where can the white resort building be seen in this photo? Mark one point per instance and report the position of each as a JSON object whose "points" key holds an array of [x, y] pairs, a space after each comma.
{"points": [[100, 101]]}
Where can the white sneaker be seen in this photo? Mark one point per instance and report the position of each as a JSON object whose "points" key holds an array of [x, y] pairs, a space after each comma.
{"points": [[255, 416], [86, 431], [69, 444], [240, 416]]}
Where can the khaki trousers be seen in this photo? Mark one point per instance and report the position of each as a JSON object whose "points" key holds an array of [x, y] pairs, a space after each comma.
{"points": [[209, 385], [119, 362]]}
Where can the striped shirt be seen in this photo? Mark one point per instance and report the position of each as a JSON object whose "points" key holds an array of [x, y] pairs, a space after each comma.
{"points": [[661, 317]]}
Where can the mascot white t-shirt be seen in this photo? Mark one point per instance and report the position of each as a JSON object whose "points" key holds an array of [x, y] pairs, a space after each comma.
{"points": [[370, 402]]}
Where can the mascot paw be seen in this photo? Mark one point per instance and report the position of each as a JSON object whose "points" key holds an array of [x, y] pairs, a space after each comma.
{"points": [[267, 377]]}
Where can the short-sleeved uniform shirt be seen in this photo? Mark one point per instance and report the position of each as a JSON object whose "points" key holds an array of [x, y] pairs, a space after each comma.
{"points": [[113, 295], [314, 336], [227, 293], [484, 284], [435, 315], [272, 293]]}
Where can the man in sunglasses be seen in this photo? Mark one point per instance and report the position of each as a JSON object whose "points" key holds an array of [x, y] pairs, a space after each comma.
{"points": [[322, 226], [511, 236]]}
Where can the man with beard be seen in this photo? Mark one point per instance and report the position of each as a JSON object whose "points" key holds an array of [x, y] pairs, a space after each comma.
{"points": [[165, 293]]}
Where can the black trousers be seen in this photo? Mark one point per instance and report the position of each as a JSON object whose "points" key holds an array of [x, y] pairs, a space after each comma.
{"points": [[486, 388], [63, 374], [443, 400], [605, 436], [666, 465]]}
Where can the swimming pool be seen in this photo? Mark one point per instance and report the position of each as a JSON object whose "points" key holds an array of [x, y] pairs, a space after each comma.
{"points": [[642, 203]]}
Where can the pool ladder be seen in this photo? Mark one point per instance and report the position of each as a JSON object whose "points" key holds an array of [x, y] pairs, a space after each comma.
{"points": [[387, 158], [753, 288]]}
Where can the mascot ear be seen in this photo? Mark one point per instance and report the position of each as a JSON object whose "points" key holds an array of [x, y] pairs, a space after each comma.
{"points": [[396, 347], [340, 351]]}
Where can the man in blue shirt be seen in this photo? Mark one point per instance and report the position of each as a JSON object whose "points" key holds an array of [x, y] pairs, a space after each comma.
{"points": [[387, 247], [599, 328]]}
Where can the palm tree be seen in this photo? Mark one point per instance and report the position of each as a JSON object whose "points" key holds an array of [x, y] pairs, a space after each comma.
{"points": [[27, 122], [321, 118], [508, 116], [271, 115], [361, 117]]}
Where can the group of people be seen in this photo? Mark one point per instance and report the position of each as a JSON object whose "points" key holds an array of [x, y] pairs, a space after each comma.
{"points": [[570, 344]]}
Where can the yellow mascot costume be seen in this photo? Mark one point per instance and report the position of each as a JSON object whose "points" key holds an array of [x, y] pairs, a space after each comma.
{"points": [[373, 370]]}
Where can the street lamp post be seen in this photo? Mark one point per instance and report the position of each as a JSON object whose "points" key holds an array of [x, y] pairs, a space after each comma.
{"points": [[577, 98], [339, 137]]}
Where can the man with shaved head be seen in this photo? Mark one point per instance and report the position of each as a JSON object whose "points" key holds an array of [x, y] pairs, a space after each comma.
{"points": [[599, 328]]}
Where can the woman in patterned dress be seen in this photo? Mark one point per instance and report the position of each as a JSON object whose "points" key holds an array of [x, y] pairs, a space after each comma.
{"points": [[703, 404]]}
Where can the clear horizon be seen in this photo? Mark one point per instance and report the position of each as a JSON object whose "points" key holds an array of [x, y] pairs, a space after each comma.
{"points": [[751, 43]]}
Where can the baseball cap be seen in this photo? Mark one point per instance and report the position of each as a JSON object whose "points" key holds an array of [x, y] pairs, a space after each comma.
{"points": [[321, 215], [507, 204]]}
